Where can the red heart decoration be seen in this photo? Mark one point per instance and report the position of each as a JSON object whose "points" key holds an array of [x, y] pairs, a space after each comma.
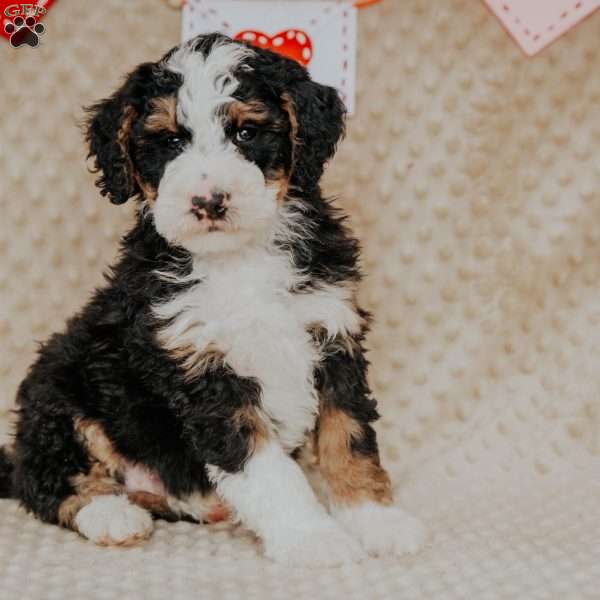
{"points": [[293, 43], [12, 7]]}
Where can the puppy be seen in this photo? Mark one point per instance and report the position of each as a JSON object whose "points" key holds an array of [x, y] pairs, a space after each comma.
{"points": [[226, 338]]}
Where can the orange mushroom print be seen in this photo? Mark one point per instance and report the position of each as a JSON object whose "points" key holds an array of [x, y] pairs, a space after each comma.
{"points": [[293, 43]]}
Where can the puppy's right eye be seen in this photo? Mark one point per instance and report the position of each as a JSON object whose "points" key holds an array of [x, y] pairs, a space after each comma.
{"points": [[175, 142]]}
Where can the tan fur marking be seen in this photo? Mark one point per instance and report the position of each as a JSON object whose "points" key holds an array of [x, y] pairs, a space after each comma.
{"points": [[287, 103], [249, 418], [352, 478], [151, 502], [100, 480], [96, 483], [132, 540], [129, 117], [289, 107], [194, 362], [242, 113], [349, 343], [99, 446], [282, 180], [345, 344], [123, 134], [157, 505], [163, 116], [149, 192]]}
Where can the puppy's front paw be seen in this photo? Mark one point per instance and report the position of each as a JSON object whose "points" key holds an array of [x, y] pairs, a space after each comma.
{"points": [[114, 521], [383, 530], [325, 546]]}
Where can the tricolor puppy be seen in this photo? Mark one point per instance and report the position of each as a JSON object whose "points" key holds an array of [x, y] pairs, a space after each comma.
{"points": [[226, 338]]}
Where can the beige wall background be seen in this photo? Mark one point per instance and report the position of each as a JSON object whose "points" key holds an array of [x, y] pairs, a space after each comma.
{"points": [[472, 176]]}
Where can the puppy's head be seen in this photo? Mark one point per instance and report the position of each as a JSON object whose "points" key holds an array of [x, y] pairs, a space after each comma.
{"points": [[212, 138]]}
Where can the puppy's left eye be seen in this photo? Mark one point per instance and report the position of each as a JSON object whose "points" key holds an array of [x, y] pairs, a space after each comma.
{"points": [[246, 134]]}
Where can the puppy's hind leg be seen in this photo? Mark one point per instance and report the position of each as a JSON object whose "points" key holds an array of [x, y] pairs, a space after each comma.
{"points": [[102, 512], [66, 471]]}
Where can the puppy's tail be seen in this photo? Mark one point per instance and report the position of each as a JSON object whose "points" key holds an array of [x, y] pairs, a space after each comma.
{"points": [[6, 470]]}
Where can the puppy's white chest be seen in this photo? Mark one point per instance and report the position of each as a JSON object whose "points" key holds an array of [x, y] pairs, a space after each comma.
{"points": [[243, 308], [249, 314]]}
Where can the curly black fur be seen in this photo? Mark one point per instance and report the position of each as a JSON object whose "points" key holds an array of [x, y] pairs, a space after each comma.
{"points": [[341, 380], [318, 109], [111, 158], [330, 253], [6, 472], [108, 366]]}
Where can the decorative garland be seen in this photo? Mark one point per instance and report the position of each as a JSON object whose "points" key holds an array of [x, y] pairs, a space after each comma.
{"points": [[358, 3], [365, 3]]}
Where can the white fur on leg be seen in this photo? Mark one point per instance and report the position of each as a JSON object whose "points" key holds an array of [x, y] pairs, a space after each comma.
{"points": [[272, 497], [383, 530], [113, 521]]}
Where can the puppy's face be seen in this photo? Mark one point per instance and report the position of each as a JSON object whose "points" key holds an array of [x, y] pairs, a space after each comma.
{"points": [[216, 155], [212, 138]]}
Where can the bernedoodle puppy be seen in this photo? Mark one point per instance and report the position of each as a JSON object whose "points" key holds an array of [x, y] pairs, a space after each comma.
{"points": [[227, 337]]}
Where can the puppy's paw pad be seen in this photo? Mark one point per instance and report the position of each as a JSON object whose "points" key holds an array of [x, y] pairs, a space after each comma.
{"points": [[114, 521], [384, 530], [327, 546]]}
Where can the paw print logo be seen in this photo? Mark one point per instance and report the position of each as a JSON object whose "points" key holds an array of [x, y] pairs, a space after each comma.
{"points": [[24, 31]]}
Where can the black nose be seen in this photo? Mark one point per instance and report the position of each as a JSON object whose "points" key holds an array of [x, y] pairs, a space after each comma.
{"points": [[214, 206]]}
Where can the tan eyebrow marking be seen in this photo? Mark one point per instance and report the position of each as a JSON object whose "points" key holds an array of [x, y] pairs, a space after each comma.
{"points": [[163, 116], [253, 110], [257, 112]]}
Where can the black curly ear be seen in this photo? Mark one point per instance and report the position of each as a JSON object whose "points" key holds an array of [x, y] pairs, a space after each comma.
{"points": [[317, 117], [107, 132]]}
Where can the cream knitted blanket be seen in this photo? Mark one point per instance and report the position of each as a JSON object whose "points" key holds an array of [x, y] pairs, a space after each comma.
{"points": [[472, 175]]}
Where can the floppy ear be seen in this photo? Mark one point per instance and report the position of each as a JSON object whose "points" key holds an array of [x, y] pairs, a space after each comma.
{"points": [[317, 116], [108, 129]]}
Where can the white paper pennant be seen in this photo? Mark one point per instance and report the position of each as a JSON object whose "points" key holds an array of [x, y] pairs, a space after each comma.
{"points": [[319, 34]]}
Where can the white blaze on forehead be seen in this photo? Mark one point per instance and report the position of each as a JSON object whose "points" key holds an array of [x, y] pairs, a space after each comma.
{"points": [[211, 159], [208, 83]]}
